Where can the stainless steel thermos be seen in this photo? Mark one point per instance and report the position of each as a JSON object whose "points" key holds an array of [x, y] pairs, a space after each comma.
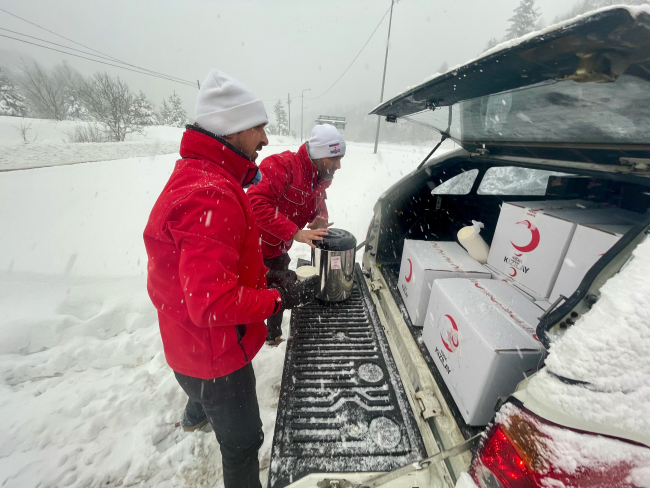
{"points": [[334, 259]]}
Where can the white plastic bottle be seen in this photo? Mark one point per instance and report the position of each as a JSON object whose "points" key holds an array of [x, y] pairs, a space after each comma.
{"points": [[470, 238]]}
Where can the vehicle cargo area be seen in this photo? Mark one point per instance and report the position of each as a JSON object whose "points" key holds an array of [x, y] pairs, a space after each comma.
{"points": [[436, 202]]}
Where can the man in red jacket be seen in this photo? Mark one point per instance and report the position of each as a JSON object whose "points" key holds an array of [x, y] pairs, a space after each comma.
{"points": [[291, 195], [206, 275]]}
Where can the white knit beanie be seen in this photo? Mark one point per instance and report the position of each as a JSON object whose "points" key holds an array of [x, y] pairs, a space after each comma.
{"points": [[326, 142], [225, 106]]}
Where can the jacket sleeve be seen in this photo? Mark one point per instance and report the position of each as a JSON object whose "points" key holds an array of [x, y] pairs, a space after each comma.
{"points": [[208, 227], [265, 195], [322, 209]]}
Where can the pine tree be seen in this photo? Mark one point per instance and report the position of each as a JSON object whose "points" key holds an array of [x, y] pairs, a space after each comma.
{"points": [[163, 116], [143, 112], [523, 21], [281, 120], [491, 43], [12, 103], [173, 113]]}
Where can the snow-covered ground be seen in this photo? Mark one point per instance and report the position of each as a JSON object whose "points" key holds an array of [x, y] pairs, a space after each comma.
{"points": [[35, 143], [86, 398]]}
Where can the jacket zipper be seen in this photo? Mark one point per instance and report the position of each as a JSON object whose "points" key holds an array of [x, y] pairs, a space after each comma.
{"points": [[241, 331]]}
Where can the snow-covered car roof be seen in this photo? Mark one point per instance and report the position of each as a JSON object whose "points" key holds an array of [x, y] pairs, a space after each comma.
{"points": [[597, 376], [597, 46]]}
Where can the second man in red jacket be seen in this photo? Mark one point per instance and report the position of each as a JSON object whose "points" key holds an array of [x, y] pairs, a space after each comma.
{"points": [[292, 195]]}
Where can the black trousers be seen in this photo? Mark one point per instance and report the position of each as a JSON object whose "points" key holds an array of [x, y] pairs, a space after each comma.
{"points": [[274, 322], [230, 404]]}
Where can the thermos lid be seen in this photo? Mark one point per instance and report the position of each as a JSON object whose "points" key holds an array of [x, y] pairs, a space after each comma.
{"points": [[337, 240]]}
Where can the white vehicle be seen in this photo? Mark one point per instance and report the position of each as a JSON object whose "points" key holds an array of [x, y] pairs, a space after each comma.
{"points": [[562, 114]]}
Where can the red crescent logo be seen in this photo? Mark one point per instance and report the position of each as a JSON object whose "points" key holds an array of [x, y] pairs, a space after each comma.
{"points": [[513, 273], [454, 337], [534, 240], [408, 278]]}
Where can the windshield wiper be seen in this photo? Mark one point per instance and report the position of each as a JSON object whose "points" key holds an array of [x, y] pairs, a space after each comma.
{"points": [[445, 136]]}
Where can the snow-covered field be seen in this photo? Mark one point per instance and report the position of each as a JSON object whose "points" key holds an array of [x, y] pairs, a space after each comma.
{"points": [[86, 398]]}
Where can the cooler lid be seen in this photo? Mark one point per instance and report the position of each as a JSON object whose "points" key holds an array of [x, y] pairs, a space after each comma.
{"points": [[337, 240]]}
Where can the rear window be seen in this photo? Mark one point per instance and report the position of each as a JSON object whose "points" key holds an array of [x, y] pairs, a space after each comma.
{"points": [[458, 185], [510, 180], [557, 111]]}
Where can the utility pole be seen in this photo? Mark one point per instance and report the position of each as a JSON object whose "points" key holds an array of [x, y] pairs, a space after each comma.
{"points": [[383, 80], [289, 105], [302, 115]]}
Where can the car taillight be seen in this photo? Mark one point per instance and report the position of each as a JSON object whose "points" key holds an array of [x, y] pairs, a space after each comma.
{"points": [[500, 466], [523, 450]]}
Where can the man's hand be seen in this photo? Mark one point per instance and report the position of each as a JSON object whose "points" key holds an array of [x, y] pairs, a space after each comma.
{"points": [[281, 277], [320, 223], [298, 293], [307, 236]]}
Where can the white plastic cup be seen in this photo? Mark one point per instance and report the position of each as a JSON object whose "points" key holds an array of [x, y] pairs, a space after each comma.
{"points": [[305, 272], [471, 240]]}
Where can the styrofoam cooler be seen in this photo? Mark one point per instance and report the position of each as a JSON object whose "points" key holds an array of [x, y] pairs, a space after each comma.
{"points": [[426, 261], [531, 239], [589, 243], [481, 335]]}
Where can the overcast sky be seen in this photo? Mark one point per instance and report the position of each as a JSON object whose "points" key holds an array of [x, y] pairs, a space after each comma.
{"points": [[274, 47]]}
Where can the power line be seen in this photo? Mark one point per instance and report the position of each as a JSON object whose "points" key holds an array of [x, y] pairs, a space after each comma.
{"points": [[355, 58], [59, 35], [346, 70], [87, 47], [97, 61], [171, 78]]}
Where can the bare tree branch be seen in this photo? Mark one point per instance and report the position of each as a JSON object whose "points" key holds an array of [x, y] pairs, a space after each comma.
{"points": [[109, 100]]}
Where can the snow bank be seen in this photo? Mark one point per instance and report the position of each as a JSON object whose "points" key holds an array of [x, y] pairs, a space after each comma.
{"points": [[87, 398], [47, 144], [44, 155], [48, 131]]}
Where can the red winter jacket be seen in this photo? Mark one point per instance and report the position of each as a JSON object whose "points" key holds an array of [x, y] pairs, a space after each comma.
{"points": [[288, 197], [206, 275]]}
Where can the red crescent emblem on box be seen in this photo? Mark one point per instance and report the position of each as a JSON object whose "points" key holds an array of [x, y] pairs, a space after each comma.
{"points": [[408, 278], [534, 238], [453, 337], [513, 273]]}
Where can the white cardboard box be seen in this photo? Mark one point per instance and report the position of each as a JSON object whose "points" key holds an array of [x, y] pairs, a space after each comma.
{"points": [[529, 244], [481, 335], [497, 275], [589, 243], [425, 261]]}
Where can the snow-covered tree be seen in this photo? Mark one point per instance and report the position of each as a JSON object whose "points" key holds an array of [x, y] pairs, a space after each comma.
{"points": [[163, 115], [109, 100], [143, 112], [281, 120], [74, 107], [12, 103], [172, 112], [524, 19]]}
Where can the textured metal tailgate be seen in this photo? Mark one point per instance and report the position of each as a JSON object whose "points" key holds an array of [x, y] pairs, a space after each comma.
{"points": [[342, 405]]}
